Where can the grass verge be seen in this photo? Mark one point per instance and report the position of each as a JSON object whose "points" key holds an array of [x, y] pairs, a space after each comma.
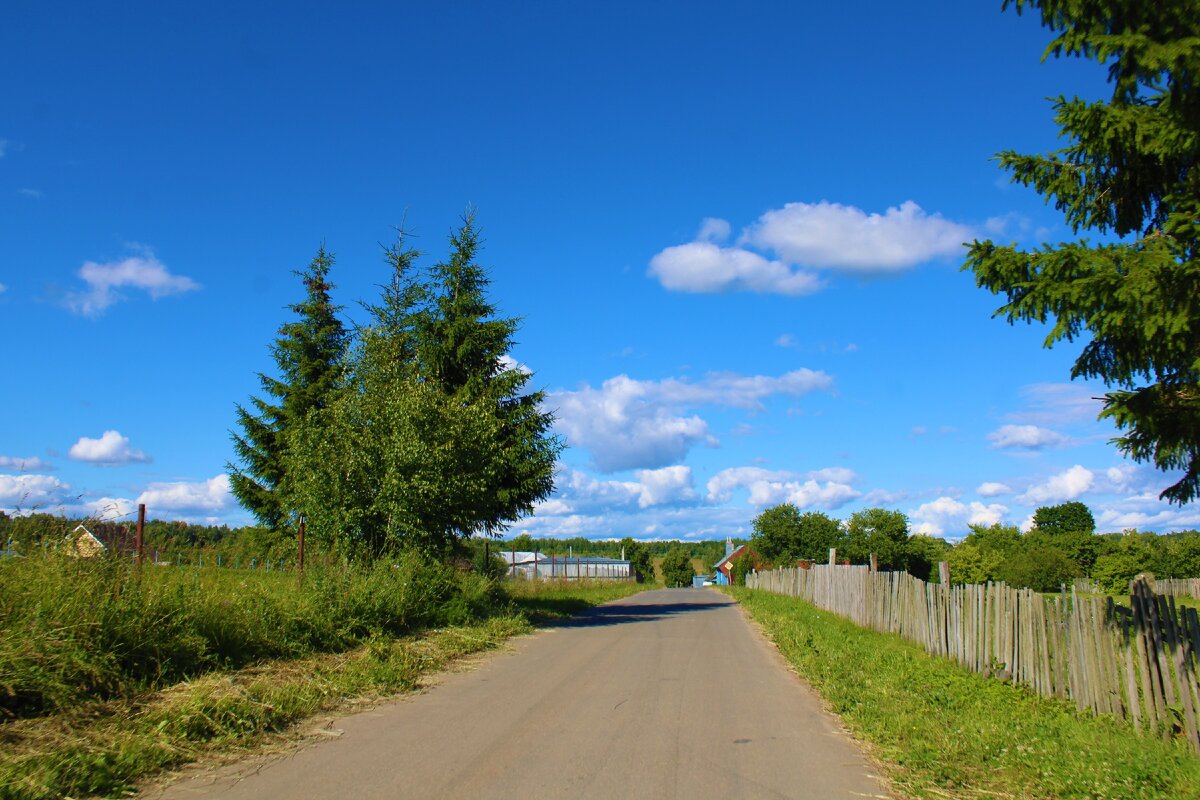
{"points": [[944, 732]]}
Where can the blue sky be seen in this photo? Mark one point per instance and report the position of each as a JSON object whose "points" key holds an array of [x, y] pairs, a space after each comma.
{"points": [[734, 235]]}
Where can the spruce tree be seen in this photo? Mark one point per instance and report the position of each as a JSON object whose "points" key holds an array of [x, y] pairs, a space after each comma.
{"points": [[464, 350], [1131, 172], [434, 438], [308, 354]]}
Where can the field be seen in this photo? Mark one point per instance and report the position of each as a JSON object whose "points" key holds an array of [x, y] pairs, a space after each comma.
{"points": [[107, 675], [942, 731]]}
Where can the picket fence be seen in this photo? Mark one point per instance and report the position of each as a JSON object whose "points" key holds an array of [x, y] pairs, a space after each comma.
{"points": [[1138, 663]]}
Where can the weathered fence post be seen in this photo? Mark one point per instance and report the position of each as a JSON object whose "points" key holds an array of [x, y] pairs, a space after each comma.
{"points": [[874, 563], [944, 572], [138, 543], [832, 556]]}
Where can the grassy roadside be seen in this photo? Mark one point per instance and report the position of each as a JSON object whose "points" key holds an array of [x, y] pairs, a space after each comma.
{"points": [[942, 731], [105, 746]]}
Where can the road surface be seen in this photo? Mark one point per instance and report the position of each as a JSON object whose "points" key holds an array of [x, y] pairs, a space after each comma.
{"points": [[666, 694]]}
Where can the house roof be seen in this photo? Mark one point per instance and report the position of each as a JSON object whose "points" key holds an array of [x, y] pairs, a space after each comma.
{"points": [[736, 552]]}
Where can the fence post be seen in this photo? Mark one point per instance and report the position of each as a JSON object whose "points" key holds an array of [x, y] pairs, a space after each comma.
{"points": [[874, 563], [944, 572], [832, 556], [138, 544]]}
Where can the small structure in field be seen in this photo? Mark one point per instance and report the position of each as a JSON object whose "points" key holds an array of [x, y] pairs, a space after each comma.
{"points": [[82, 543]]}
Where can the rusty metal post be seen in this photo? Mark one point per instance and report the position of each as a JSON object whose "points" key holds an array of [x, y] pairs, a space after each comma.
{"points": [[138, 538], [300, 558]]}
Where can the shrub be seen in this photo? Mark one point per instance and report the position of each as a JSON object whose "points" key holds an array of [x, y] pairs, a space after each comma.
{"points": [[677, 568], [1043, 569]]}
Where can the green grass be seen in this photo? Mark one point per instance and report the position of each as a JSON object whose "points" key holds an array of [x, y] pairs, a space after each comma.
{"points": [[942, 731], [75, 630], [106, 747], [108, 675]]}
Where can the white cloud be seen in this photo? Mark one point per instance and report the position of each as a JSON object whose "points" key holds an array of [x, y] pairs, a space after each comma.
{"points": [[3, 288], [3, 147], [771, 487], [27, 192], [992, 489], [835, 236], [109, 508], [877, 497], [507, 362], [714, 229], [1058, 403], [110, 449], [945, 513], [1025, 437], [1164, 519], [804, 238], [103, 281], [704, 267], [212, 495], [628, 423], [17, 464], [666, 485], [1067, 485], [553, 507], [31, 492], [785, 340]]}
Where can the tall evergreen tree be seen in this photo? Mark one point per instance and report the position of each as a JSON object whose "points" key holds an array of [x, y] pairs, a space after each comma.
{"points": [[308, 353], [464, 350], [1131, 172], [433, 439]]}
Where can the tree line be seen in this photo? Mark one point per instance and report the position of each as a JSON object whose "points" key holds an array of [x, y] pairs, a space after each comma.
{"points": [[1062, 545], [415, 430]]}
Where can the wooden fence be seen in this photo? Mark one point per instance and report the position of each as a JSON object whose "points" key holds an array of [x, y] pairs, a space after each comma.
{"points": [[1138, 663], [1187, 587]]}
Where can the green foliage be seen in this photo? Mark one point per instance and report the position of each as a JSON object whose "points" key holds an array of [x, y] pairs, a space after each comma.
{"points": [[75, 629], [878, 531], [1073, 517], [677, 568], [433, 436], [1043, 569], [782, 534], [308, 356], [1133, 554], [639, 559], [941, 731], [971, 563], [995, 538], [1131, 171], [922, 554], [393, 466]]}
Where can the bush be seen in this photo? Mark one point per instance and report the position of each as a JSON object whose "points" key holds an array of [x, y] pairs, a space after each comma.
{"points": [[677, 568], [1043, 569]]}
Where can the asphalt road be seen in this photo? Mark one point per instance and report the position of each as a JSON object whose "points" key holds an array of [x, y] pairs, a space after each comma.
{"points": [[667, 694]]}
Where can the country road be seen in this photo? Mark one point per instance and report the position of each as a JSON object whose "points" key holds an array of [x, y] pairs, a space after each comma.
{"points": [[666, 694]]}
